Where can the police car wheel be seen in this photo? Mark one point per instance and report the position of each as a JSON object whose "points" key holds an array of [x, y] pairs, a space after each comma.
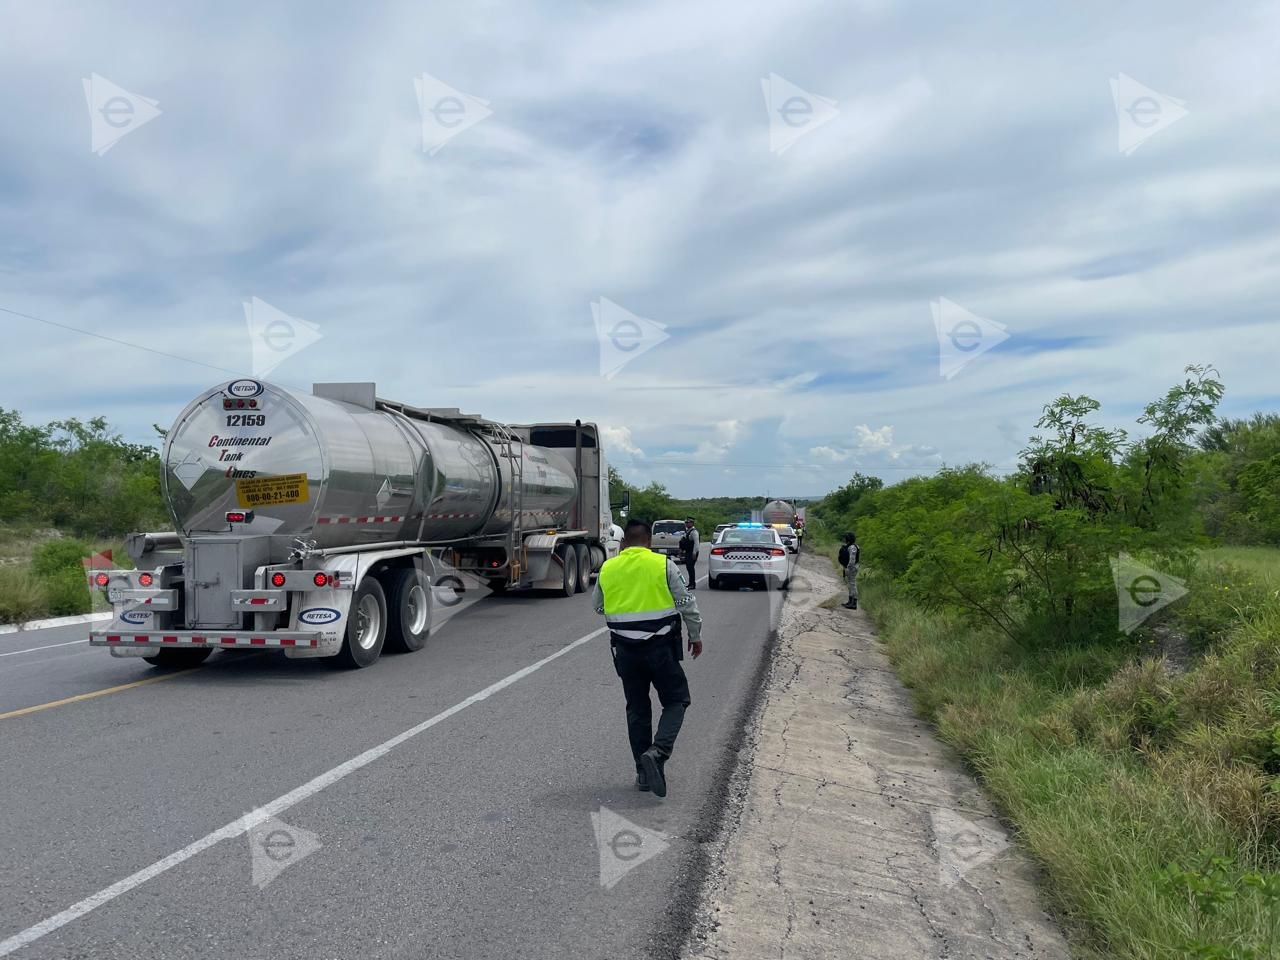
{"points": [[177, 659]]}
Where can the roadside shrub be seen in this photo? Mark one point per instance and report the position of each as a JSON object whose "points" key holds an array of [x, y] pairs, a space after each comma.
{"points": [[59, 556], [22, 596], [67, 593]]}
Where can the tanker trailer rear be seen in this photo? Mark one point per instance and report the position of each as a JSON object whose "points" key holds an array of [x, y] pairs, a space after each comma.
{"points": [[779, 511], [319, 523]]}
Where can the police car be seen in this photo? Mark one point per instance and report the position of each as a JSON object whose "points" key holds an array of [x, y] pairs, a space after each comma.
{"points": [[749, 553]]}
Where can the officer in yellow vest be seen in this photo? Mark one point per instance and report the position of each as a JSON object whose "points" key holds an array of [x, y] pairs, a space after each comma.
{"points": [[644, 599]]}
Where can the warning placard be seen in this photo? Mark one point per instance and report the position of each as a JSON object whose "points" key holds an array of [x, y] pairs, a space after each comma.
{"points": [[272, 491]]}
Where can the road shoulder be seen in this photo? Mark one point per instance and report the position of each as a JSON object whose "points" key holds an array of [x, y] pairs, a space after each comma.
{"points": [[859, 833]]}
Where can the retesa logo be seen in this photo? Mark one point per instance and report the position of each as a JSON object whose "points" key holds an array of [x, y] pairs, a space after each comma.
{"points": [[319, 616], [244, 389]]}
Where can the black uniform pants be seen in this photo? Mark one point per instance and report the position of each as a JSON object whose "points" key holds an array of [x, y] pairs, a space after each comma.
{"points": [[640, 666], [691, 565]]}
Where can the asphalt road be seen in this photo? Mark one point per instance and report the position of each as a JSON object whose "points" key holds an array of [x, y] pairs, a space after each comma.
{"points": [[472, 837]]}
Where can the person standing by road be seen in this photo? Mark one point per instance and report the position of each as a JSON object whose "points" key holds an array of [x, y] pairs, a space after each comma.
{"points": [[644, 601], [850, 555], [689, 545]]}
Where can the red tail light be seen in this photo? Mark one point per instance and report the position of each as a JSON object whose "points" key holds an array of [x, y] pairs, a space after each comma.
{"points": [[321, 580], [146, 579], [277, 579], [102, 579], [777, 552], [718, 551], [240, 516]]}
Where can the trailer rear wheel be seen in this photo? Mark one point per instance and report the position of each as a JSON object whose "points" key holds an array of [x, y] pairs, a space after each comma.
{"points": [[584, 566], [409, 611], [569, 565], [366, 626], [177, 659]]}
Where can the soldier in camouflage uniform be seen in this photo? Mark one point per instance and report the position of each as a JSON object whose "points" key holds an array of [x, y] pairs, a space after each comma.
{"points": [[850, 555]]}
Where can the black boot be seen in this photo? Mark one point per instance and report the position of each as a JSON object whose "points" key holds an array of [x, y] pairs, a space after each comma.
{"points": [[642, 782], [652, 762]]}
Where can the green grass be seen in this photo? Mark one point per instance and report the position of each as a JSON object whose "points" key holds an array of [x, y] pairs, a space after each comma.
{"points": [[1113, 768], [41, 575], [1264, 561]]}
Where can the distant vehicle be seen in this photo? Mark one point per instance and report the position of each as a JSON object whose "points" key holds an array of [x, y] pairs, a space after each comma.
{"points": [[667, 535], [720, 528], [749, 554], [778, 511], [788, 536]]}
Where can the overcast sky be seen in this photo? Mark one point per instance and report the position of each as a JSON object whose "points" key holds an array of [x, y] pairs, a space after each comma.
{"points": [[785, 245]]}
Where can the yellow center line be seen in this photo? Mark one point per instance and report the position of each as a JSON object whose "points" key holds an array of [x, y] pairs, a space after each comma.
{"points": [[95, 693]]}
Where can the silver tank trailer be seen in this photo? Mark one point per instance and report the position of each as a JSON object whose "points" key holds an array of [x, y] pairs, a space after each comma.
{"points": [[372, 475], [778, 511]]}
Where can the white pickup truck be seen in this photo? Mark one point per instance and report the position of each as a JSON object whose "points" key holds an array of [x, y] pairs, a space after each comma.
{"points": [[667, 535]]}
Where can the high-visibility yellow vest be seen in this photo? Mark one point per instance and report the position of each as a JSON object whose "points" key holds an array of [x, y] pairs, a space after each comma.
{"points": [[637, 600]]}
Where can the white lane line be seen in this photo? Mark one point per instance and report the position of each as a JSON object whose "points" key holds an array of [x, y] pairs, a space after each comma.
{"points": [[275, 808], [47, 646], [31, 626]]}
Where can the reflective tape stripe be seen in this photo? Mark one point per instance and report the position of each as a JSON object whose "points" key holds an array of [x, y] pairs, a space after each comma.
{"points": [[641, 634], [639, 615]]}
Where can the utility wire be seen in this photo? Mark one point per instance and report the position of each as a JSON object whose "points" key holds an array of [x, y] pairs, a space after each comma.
{"points": [[115, 340]]}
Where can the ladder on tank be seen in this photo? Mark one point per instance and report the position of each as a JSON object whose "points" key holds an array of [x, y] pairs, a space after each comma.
{"points": [[511, 447]]}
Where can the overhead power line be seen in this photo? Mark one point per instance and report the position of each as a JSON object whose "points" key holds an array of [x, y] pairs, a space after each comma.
{"points": [[119, 342]]}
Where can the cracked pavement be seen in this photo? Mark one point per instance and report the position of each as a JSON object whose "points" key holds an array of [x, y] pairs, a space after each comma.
{"points": [[860, 834]]}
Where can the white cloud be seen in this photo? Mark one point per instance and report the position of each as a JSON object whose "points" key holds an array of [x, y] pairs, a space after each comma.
{"points": [[630, 161], [874, 441], [829, 454]]}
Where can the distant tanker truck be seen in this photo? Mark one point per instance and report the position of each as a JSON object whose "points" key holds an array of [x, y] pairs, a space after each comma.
{"points": [[319, 523], [778, 511]]}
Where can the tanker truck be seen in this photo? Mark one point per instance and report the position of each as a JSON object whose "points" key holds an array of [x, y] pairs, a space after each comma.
{"points": [[318, 523], [779, 511]]}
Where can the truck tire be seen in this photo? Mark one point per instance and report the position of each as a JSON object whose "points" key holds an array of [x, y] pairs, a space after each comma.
{"points": [[178, 659], [584, 566], [569, 567], [409, 610], [366, 626]]}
